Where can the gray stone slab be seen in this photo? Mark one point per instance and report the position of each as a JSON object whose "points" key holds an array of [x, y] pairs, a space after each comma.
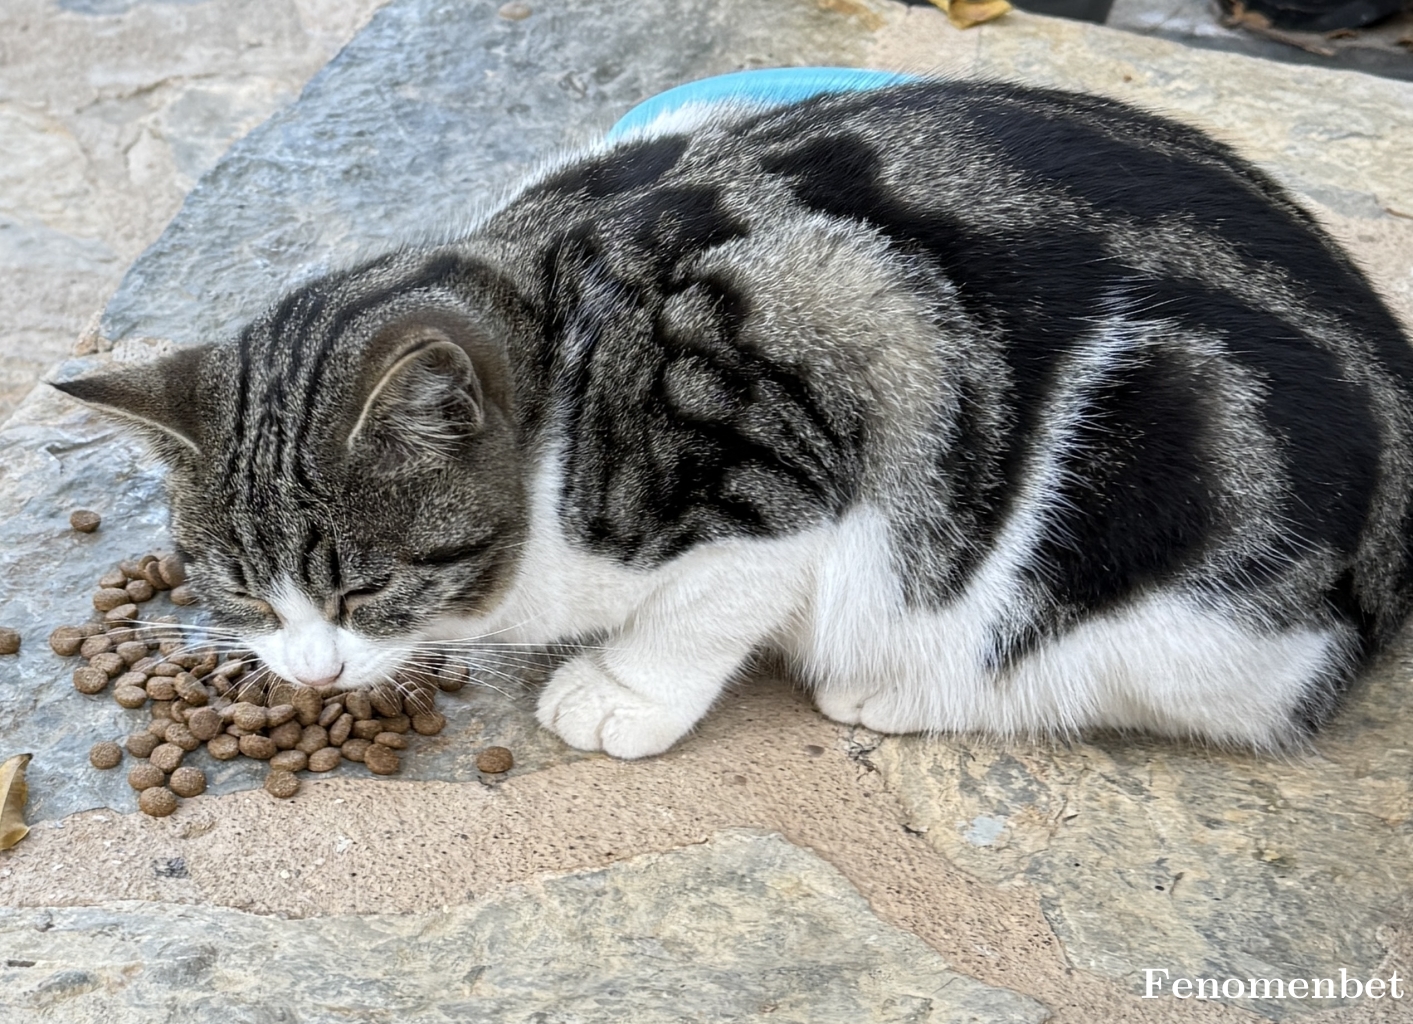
{"points": [[429, 115], [1149, 854], [55, 458], [109, 112], [744, 927]]}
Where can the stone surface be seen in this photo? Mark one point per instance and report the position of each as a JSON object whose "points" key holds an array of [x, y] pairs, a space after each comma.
{"points": [[109, 112], [425, 119], [1149, 854], [743, 927], [55, 458], [343, 846], [764, 759]]}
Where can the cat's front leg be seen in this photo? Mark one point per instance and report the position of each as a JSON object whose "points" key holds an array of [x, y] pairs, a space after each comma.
{"points": [[649, 684]]}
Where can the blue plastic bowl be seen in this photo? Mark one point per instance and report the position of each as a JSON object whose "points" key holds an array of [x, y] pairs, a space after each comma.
{"points": [[770, 87]]}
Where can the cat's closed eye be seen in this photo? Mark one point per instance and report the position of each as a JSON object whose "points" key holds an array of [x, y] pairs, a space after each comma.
{"points": [[254, 603], [351, 600], [454, 553]]}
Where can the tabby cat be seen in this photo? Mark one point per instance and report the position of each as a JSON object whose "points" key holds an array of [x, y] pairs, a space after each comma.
{"points": [[990, 408]]}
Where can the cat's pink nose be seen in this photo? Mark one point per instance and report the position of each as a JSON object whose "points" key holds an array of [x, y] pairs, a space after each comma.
{"points": [[323, 681]]}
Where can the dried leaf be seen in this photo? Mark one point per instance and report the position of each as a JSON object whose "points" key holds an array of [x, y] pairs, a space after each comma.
{"points": [[871, 20], [1239, 15], [13, 794], [966, 13]]}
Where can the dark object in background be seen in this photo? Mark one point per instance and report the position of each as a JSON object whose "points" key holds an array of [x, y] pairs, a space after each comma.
{"points": [[1077, 10], [1317, 15]]}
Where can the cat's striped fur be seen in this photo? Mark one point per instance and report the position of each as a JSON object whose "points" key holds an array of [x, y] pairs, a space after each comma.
{"points": [[993, 408]]}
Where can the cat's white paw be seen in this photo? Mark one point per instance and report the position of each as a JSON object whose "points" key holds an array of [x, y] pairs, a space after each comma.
{"points": [[591, 710], [842, 706], [879, 710]]}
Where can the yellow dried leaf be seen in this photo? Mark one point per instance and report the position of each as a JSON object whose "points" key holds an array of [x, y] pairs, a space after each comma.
{"points": [[966, 13], [13, 794]]}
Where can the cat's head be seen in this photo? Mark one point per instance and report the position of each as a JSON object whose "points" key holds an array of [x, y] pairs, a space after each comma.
{"points": [[344, 474]]}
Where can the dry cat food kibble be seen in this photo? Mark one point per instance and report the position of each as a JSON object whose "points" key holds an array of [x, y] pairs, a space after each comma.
{"points": [[381, 760], [204, 699], [145, 776], [158, 801], [188, 781], [90, 680], [495, 760], [167, 757], [289, 761], [282, 784], [326, 759], [66, 640], [141, 744], [9, 641], [85, 521], [105, 755]]}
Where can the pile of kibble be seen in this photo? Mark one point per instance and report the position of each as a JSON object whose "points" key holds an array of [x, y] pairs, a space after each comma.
{"points": [[198, 695]]}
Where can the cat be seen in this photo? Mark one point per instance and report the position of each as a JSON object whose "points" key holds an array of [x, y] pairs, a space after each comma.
{"points": [[991, 408]]}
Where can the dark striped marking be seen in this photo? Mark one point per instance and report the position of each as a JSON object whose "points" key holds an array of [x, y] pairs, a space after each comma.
{"points": [[647, 479], [670, 224], [1233, 202], [1138, 500], [1041, 290], [624, 169], [1331, 435], [976, 468]]}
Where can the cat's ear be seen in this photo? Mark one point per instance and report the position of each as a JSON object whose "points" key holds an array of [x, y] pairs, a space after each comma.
{"points": [[424, 405], [158, 399]]}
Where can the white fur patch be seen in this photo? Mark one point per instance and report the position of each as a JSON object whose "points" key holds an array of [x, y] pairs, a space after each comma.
{"points": [[310, 649], [1163, 664], [673, 637]]}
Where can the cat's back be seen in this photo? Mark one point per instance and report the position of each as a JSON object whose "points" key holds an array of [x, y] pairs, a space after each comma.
{"points": [[1007, 156], [1016, 320], [1041, 209]]}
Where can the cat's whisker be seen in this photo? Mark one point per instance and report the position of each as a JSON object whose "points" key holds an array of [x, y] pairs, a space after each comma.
{"points": [[176, 630], [551, 647], [179, 626], [504, 645], [447, 648], [400, 685], [483, 637], [476, 673], [527, 656]]}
